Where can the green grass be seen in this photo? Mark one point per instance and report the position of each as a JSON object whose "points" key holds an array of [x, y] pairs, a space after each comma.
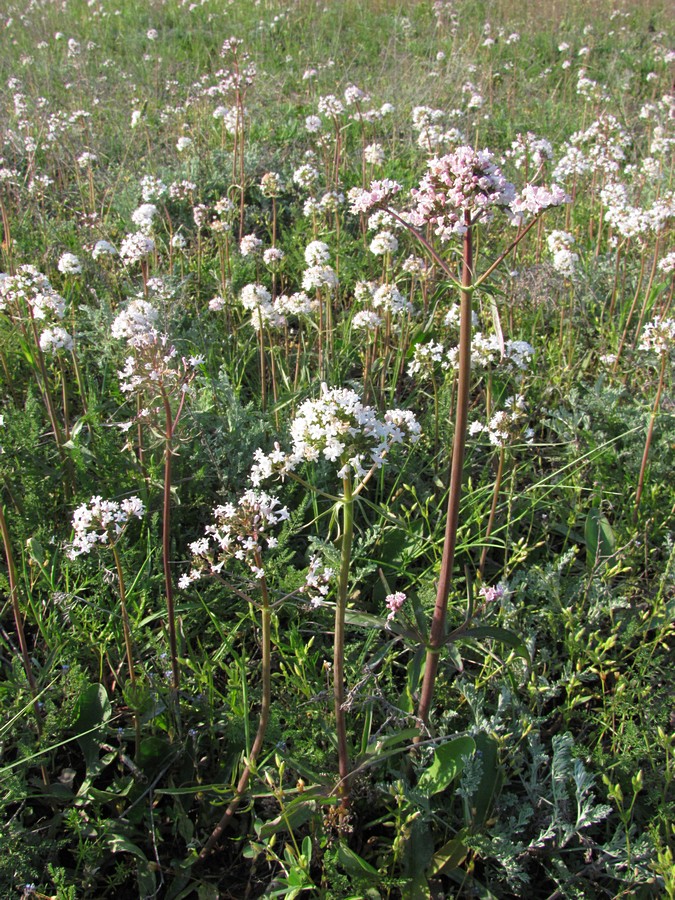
{"points": [[547, 768]]}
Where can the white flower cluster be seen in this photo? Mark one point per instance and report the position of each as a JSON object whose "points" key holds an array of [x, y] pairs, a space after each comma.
{"points": [[317, 581], [431, 131], [428, 358], [317, 253], [506, 426], [102, 522], [667, 263], [600, 148], [453, 316], [374, 154], [564, 259], [271, 184], [237, 532], [366, 320], [136, 323], [384, 242], [54, 339], [103, 248], [387, 297], [152, 188], [136, 247], [318, 277], [658, 336], [69, 264], [258, 300], [156, 368], [306, 176], [273, 257], [529, 149], [30, 288], [144, 216], [250, 245], [298, 304], [535, 199], [486, 351], [339, 428]]}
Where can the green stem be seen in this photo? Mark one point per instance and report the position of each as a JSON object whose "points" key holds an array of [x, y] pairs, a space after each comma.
{"points": [[339, 641], [166, 541], [650, 431], [127, 640], [16, 610], [265, 707], [493, 510]]}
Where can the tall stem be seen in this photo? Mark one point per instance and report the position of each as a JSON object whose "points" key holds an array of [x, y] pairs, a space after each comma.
{"points": [[437, 631], [265, 706], [650, 431], [166, 541], [127, 639], [493, 509], [339, 641], [16, 610]]}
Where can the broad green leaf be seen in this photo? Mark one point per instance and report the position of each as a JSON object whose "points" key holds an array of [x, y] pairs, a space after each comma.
{"points": [[600, 540], [449, 856], [93, 712], [153, 752], [391, 741], [93, 708], [296, 813], [353, 864], [447, 764], [504, 635], [490, 781], [118, 843]]}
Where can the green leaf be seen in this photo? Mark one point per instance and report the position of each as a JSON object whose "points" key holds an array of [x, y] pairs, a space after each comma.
{"points": [[599, 537], [353, 864], [35, 551], [447, 764], [449, 856], [118, 843], [92, 713], [381, 745], [504, 635], [93, 708], [153, 752], [490, 782], [296, 813]]}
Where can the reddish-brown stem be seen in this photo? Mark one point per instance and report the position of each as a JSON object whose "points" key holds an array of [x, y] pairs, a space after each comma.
{"points": [[437, 631]]}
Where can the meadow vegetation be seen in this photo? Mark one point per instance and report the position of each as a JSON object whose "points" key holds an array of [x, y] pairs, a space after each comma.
{"points": [[336, 446]]}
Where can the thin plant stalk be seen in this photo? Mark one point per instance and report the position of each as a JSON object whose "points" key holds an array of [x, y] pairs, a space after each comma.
{"points": [[16, 610], [339, 640], [127, 639], [630, 313], [170, 424], [650, 431], [647, 293], [493, 510], [437, 630], [265, 707]]}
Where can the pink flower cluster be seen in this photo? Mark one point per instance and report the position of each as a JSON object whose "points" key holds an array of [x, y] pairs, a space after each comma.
{"points": [[379, 195], [464, 181]]}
